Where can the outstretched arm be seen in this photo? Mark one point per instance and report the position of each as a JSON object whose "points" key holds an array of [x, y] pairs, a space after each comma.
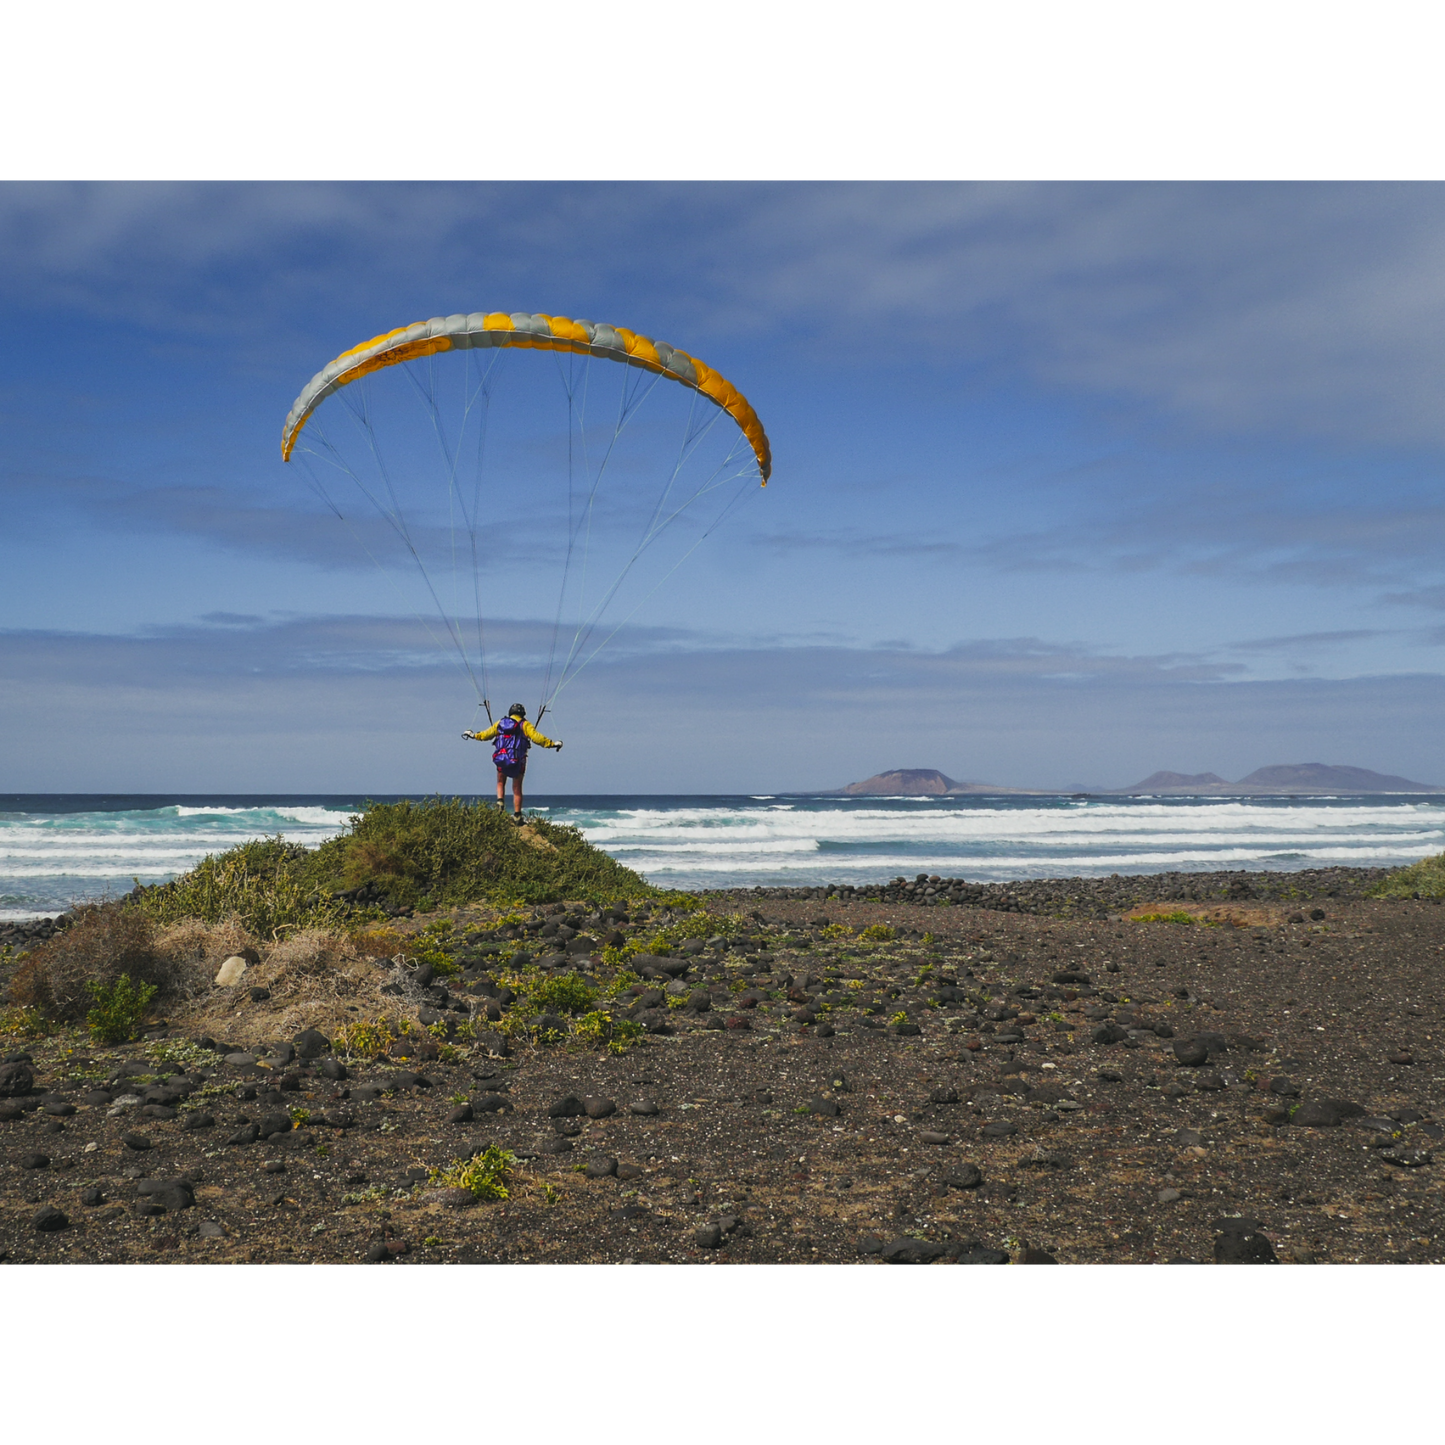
{"points": [[534, 736], [485, 737]]}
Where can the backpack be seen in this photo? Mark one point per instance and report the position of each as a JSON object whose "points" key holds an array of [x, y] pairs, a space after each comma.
{"points": [[511, 745]]}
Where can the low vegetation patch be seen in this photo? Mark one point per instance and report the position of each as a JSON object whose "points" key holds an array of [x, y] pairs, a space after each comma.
{"points": [[485, 1176], [119, 1008], [105, 943], [1425, 879]]}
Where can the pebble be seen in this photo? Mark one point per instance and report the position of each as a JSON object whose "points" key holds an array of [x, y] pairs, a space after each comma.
{"points": [[35, 1161], [17, 1079], [58, 1109], [1324, 1113], [602, 1168], [964, 1176], [912, 1251], [138, 1142], [492, 1104], [171, 1195], [247, 1134], [231, 971], [1188, 1138], [870, 1244], [984, 1256], [567, 1107], [462, 1114], [1240, 1242], [49, 1219], [311, 1044], [643, 1107], [829, 1108], [275, 1166], [209, 1229], [377, 1254], [198, 1119], [942, 1096], [1169, 1196], [240, 1061], [450, 1198], [553, 1145], [932, 1136], [709, 1236], [598, 1108], [1034, 1255], [999, 1129], [1191, 1053], [92, 1197], [1407, 1158]]}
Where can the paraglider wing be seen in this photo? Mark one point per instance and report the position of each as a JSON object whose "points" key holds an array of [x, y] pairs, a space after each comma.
{"points": [[524, 329]]}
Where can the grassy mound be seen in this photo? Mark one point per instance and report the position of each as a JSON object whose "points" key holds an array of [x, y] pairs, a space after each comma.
{"points": [[437, 853], [1425, 879]]}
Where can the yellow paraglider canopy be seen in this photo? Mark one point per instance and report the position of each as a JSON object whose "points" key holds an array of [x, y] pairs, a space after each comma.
{"points": [[540, 332]]}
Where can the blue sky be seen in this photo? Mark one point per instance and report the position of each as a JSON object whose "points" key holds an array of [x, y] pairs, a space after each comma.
{"points": [[1072, 482]]}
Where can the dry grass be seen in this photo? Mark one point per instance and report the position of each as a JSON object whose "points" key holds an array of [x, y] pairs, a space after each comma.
{"points": [[104, 942], [318, 979]]}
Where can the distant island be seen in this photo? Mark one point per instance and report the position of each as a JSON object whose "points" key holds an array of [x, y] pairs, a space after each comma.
{"points": [[917, 783], [1283, 778]]}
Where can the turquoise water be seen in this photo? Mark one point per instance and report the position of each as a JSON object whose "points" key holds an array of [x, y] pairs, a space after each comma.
{"points": [[56, 850]]}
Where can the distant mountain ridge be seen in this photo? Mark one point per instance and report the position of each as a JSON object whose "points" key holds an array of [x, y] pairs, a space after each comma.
{"points": [[1284, 778], [1298, 778]]}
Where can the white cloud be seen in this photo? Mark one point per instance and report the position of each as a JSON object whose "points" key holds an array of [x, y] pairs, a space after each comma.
{"points": [[1298, 310]]}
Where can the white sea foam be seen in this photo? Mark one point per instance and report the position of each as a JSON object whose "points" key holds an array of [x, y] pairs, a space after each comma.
{"points": [[48, 859]]}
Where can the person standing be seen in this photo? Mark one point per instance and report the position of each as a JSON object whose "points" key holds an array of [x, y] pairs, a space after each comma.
{"points": [[512, 738]]}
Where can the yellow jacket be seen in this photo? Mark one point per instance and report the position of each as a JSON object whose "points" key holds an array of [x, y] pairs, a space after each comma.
{"points": [[531, 733]]}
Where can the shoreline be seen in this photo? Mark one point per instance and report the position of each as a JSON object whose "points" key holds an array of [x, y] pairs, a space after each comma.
{"points": [[1062, 897], [1080, 897]]}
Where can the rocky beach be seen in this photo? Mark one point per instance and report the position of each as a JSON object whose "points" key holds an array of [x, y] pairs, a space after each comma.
{"points": [[1233, 1068]]}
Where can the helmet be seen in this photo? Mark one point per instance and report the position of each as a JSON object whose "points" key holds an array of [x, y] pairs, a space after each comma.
{"points": [[516, 710]]}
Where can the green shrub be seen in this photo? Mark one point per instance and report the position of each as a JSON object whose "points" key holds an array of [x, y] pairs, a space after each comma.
{"points": [[269, 884], [567, 994], [119, 1008], [485, 1176], [600, 1029], [1425, 879]]}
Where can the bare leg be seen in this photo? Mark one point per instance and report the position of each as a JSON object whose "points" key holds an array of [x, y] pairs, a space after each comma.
{"points": [[517, 793], [501, 790]]}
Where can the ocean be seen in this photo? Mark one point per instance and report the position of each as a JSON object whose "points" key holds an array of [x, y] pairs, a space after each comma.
{"points": [[56, 850]]}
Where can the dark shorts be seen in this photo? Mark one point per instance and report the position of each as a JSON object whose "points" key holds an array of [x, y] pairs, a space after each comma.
{"points": [[510, 770]]}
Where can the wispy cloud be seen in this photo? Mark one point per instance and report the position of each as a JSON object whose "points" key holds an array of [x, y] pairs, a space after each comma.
{"points": [[314, 704], [1313, 310]]}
